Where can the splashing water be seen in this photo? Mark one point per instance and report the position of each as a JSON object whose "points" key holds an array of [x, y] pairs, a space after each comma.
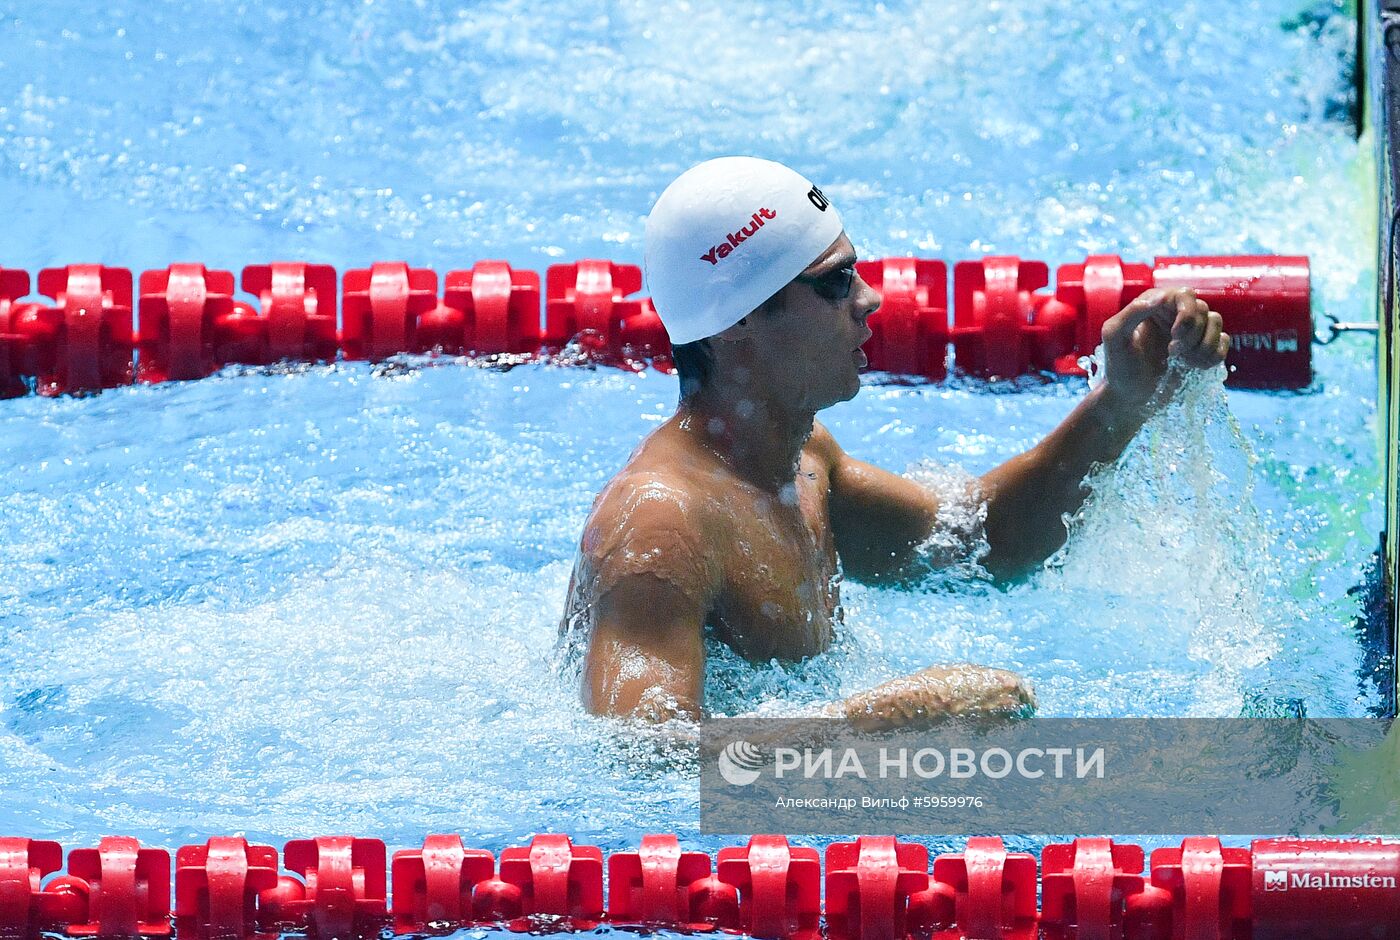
{"points": [[1173, 522]]}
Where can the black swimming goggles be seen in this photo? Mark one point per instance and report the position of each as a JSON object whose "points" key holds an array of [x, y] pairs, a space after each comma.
{"points": [[831, 285]]}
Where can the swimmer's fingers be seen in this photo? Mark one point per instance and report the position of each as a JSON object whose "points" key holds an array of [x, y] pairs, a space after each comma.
{"points": [[1213, 346], [1189, 326], [1211, 343], [1157, 304]]}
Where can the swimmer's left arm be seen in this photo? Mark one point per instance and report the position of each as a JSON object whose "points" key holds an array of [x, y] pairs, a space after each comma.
{"points": [[879, 518]]}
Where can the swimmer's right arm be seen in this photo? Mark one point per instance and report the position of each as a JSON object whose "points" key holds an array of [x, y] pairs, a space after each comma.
{"points": [[646, 655], [652, 589]]}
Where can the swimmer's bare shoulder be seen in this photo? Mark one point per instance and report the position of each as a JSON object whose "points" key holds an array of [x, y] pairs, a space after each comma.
{"points": [[647, 578]]}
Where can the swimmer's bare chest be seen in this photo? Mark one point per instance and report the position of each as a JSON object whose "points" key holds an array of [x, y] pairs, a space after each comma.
{"points": [[780, 596]]}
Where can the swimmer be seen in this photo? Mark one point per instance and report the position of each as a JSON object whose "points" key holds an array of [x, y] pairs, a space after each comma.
{"points": [[741, 513]]}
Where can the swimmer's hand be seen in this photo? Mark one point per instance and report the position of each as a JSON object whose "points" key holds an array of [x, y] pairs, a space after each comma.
{"points": [[1162, 327], [937, 694]]}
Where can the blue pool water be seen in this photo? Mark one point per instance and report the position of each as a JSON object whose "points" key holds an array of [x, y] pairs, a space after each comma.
{"points": [[327, 600]]}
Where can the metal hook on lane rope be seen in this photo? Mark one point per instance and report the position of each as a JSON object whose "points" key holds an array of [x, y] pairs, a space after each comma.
{"points": [[1336, 327]]}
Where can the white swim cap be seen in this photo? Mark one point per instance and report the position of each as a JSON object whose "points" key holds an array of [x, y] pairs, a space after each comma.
{"points": [[727, 235]]}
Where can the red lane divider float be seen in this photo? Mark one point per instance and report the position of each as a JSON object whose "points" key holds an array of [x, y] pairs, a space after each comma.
{"points": [[343, 889], [1266, 304], [660, 884], [1084, 887], [1001, 324], [592, 303], [871, 885], [553, 877], [381, 308], [1310, 889], [218, 886], [81, 341], [295, 317], [14, 341], [487, 310], [779, 887], [181, 309], [24, 904], [435, 884], [994, 890], [1005, 321], [911, 327], [115, 890]]}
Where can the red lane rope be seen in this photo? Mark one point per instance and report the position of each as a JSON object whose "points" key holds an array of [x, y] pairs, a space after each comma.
{"points": [[875, 888], [1004, 323]]}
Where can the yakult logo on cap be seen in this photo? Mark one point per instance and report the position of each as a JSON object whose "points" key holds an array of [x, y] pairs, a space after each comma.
{"points": [[735, 238]]}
